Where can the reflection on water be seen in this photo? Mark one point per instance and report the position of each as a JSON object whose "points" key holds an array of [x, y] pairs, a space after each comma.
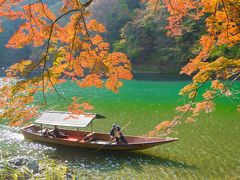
{"points": [[206, 149], [103, 163], [140, 76], [120, 159], [13, 144], [160, 77]]}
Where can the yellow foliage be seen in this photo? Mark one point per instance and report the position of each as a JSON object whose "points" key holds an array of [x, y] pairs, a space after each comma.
{"points": [[188, 88], [208, 95], [217, 85], [189, 119]]}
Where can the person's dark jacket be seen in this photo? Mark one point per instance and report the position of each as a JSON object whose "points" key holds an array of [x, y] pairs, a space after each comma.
{"points": [[116, 128]]}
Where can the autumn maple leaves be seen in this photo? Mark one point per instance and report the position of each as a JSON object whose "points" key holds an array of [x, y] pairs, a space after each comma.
{"points": [[71, 48], [222, 28]]}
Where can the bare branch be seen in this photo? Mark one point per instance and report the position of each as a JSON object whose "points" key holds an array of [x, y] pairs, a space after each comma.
{"points": [[45, 11], [225, 10]]}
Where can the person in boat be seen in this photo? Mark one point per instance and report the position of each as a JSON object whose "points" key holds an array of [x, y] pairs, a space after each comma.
{"points": [[88, 137], [117, 134], [57, 133], [46, 132]]}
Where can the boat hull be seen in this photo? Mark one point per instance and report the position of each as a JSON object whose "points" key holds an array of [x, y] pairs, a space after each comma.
{"points": [[102, 140]]}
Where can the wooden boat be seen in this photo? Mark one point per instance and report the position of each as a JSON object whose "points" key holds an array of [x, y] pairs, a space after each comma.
{"points": [[74, 138]]}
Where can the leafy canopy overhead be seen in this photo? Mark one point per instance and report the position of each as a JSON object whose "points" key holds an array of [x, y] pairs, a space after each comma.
{"points": [[72, 47], [222, 19]]}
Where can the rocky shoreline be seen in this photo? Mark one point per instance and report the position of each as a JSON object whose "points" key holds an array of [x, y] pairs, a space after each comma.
{"points": [[24, 167]]}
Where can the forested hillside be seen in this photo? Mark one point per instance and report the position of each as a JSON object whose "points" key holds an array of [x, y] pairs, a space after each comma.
{"points": [[9, 56], [141, 34], [145, 41], [134, 29]]}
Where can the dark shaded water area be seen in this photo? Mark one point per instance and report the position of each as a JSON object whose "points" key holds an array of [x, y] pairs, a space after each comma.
{"points": [[208, 148], [138, 76]]}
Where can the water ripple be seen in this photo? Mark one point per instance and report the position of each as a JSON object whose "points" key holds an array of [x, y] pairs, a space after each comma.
{"points": [[12, 139]]}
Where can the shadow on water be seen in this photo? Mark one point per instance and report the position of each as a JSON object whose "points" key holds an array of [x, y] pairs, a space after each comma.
{"points": [[151, 76], [115, 160], [103, 161], [160, 77]]}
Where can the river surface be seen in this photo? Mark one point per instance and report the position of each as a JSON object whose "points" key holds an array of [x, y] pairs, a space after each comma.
{"points": [[208, 148]]}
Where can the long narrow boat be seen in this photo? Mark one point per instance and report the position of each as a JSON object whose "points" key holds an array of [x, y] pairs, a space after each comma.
{"points": [[74, 137]]}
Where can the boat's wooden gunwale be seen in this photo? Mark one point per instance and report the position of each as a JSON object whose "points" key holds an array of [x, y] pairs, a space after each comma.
{"points": [[140, 142]]}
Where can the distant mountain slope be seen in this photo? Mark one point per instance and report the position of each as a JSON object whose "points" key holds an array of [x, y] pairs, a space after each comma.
{"points": [[133, 29]]}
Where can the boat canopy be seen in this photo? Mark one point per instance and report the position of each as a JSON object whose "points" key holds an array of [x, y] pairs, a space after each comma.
{"points": [[58, 118]]}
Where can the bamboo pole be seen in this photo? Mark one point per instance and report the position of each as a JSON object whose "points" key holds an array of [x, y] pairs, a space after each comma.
{"points": [[110, 140]]}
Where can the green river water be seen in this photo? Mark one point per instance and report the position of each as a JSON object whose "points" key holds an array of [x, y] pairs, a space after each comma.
{"points": [[207, 149]]}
